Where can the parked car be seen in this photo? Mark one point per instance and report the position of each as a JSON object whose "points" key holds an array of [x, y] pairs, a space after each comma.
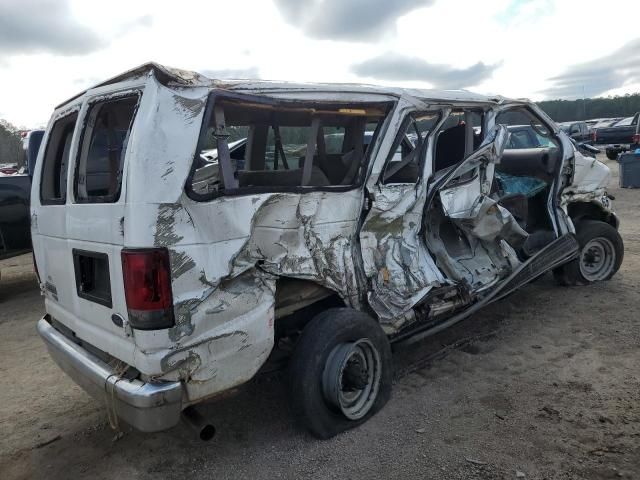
{"points": [[579, 131], [166, 286], [606, 122], [15, 189], [15, 236], [618, 137]]}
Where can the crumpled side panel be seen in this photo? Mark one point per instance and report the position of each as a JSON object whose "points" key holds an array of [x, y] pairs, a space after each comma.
{"points": [[396, 262], [225, 257]]}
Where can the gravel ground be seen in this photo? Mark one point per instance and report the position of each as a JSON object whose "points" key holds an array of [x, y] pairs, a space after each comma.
{"points": [[541, 385]]}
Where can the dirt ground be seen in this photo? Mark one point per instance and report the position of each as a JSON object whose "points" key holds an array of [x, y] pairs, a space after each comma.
{"points": [[542, 385]]}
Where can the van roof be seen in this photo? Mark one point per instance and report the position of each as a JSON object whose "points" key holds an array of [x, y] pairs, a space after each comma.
{"points": [[186, 78]]}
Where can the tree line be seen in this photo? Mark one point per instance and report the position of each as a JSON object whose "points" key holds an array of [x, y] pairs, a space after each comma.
{"points": [[585, 109], [10, 144]]}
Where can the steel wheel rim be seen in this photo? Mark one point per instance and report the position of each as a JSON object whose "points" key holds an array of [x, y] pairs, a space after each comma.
{"points": [[351, 378], [597, 259]]}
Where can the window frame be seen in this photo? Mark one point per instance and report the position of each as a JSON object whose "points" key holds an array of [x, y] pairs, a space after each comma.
{"points": [[401, 136], [62, 117], [217, 95], [457, 110], [552, 129], [91, 103]]}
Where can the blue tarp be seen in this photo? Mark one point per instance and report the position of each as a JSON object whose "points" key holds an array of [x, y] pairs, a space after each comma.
{"points": [[529, 186]]}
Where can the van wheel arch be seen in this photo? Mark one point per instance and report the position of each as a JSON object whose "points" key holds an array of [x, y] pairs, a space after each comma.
{"points": [[591, 211]]}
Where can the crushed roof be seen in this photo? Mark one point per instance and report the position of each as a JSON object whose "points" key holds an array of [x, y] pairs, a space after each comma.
{"points": [[186, 78]]}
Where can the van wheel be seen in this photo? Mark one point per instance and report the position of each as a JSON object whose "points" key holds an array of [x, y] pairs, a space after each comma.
{"points": [[340, 372], [601, 253]]}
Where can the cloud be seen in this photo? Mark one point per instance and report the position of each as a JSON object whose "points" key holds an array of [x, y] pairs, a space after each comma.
{"points": [[600, 75], [143, 21], [32, 26], [518, 12], [250, 72], [397, 67], [358, 20]]}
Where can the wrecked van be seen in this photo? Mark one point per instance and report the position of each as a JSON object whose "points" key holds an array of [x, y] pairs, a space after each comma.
{"points": [[189, 231]]}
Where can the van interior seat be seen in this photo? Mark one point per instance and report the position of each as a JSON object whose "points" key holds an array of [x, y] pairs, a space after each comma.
{"points": [[450, 147], [337, 168]]}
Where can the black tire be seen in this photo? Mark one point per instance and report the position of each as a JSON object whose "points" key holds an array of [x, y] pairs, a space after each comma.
{"points": [[570, 274], [322, 336], [611, 155]]}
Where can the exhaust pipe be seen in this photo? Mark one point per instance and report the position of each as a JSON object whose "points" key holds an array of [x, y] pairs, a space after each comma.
{"points": [[198, 424]]}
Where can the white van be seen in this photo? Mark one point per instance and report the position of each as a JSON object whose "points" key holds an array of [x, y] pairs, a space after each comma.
{"points": [[187, 231]]}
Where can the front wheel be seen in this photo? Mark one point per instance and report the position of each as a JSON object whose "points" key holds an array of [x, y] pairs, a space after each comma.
{"points": [[601, 253], [340, 372], [611, 154]]}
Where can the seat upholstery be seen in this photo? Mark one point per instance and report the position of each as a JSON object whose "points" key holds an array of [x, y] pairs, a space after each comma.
{"points": [[450, 147]]}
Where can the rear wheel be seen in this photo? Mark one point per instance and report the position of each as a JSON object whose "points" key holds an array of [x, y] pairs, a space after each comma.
{"points": [[340, 372], [601, 253]]}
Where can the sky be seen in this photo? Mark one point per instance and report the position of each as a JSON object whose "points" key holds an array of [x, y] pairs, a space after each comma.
{"points": [[539, 49]]}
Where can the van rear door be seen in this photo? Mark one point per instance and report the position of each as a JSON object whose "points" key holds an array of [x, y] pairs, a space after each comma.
{"points": [[78, 223]]}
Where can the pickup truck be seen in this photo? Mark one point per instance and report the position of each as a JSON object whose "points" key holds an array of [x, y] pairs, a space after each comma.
{"points": [[619, 136], [15, 191], [579, 131]]}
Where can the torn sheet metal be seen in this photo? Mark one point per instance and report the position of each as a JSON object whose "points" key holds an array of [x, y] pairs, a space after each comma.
{"points": [[465, 196], [590, 178], [399, 268]]}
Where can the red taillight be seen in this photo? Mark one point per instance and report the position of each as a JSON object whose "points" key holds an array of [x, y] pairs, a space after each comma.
{"points": [[636, 138], [147, 288], [594, 136]]}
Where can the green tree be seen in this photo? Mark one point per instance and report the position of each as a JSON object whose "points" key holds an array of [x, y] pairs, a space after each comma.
{"points": [[584, 109], [10, 144]]}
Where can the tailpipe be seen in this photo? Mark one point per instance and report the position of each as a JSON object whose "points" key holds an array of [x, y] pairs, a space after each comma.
{"points": [[194, 419]]}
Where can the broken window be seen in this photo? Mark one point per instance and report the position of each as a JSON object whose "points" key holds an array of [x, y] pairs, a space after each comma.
{"points": [[529, 129], [53, 183], [460, 135], [270, 146], [404, 164], [103, 148]]}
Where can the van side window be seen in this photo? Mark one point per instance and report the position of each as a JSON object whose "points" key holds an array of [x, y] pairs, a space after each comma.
{"points": [[404, 164], [273, 146], [101, 155], [53, 183]]}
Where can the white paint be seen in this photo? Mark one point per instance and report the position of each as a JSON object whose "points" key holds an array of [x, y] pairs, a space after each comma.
{"points": [[235, 248]]}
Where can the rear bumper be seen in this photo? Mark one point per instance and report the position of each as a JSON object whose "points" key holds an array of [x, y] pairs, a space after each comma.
{"points": [[148, 407]]}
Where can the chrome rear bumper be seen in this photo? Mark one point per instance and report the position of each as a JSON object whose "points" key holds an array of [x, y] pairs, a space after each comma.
{"points": [[148, 407]]}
